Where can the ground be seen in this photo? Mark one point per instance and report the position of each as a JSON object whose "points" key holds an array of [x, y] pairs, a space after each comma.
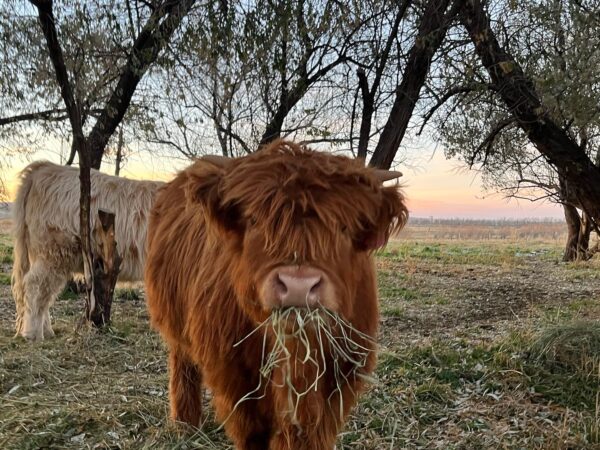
{"points": [[485, 344]]}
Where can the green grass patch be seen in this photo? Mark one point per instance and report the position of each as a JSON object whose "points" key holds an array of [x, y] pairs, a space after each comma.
{"points": [[6, 253], [573, 347], [398, 293], [391, 287], [483, 253], [433, 391], [128, 294], [393, 312], [68, 294], [583, 304], [450, 364], [560, 363], [441, 301], [4, 279]]}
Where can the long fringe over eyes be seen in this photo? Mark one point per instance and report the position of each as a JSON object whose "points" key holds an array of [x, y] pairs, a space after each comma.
{"points": [[306, 202]]}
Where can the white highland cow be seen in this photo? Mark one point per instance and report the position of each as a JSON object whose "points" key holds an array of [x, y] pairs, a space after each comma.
{"points": [[47, 248]]}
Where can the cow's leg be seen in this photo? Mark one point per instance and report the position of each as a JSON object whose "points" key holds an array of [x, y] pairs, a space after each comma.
{"points": [[244, 423], [247, 421], [48, 331], [42, 285], [185, 388]]}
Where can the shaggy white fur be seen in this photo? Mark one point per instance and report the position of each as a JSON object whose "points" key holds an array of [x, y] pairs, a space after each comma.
{"points": [[46, 235]]}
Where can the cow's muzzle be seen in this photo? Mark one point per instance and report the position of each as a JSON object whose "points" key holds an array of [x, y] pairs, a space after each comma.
{"points": [[299, 286]]}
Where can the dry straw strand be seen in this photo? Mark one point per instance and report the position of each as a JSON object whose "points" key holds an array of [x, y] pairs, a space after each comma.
{"points": [[336, 340]]}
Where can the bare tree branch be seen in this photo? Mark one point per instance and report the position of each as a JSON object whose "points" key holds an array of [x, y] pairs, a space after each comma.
{"points": [[49, 115], [47, 22], [432, 30], [54, 115], [151, 40], [488, 142], [448, 95]]}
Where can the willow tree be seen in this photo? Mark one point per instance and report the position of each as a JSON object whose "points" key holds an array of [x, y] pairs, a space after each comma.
{"points": [[518, 91], [556, 46]]}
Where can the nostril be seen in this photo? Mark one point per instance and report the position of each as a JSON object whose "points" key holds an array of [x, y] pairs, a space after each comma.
{"points": [[315, 287], [280, 285]]}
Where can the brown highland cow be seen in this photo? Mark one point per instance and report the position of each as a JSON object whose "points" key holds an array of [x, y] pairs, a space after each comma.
{"points": [[261, 279]]}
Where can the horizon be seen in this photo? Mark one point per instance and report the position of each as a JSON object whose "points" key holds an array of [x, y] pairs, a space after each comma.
{"points": [[435, 187], [5, 213]]}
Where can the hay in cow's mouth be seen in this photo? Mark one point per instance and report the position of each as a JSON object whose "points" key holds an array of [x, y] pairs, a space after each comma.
{"points": [[323, 341]]}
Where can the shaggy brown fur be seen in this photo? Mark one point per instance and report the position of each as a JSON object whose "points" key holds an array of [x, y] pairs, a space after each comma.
{"points": [[214, 235]]}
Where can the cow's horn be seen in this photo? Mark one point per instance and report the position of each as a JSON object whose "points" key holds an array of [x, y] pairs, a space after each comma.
{"points": [[217, 160], [386, 175]]}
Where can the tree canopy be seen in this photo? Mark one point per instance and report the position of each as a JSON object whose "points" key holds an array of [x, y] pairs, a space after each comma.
{"points": [[509, 86]]}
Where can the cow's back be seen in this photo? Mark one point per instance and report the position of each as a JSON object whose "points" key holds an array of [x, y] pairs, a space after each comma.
{"points": [[52, 214]]}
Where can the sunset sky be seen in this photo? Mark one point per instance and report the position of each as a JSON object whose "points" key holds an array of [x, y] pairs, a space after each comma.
{"points": [[435, 187], [445, 189]]}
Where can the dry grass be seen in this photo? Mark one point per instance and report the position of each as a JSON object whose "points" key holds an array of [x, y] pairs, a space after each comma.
{"points": [[91, 389], [573, 347], [492, 230], [483, 346], [315, 333]]}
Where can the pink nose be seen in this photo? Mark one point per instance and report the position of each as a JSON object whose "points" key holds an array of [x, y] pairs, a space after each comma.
{"points": [[298, 286]]}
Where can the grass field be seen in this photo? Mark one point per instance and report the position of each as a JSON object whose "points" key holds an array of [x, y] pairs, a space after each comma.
{"points": [[486, 343]]}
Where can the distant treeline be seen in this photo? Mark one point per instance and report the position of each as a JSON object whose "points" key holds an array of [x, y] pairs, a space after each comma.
{"points": [[422, 228], [504, 222]]}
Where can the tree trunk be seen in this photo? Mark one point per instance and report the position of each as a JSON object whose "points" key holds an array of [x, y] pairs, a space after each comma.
{"points": [[85, 188], [119, 157], [80, 144], [107, 265], [432, 31], [72, 154], [273, 128], [365, 128], [368, 93], [519, 94], [583, 242], [368, 100], [573, 230]]}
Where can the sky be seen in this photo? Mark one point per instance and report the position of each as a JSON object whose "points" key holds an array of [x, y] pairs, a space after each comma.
{"points": [[442, 188], [434, 186]]}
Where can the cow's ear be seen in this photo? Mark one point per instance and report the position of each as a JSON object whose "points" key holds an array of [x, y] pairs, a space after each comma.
{"points": [[204, 188], [391, 217]]}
